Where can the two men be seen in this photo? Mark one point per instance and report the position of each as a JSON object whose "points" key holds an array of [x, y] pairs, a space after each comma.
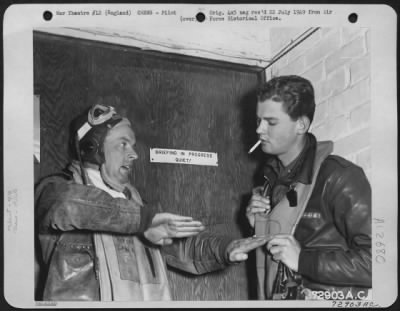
{"points": [[100, 242], [317, 217], [98, 239]]}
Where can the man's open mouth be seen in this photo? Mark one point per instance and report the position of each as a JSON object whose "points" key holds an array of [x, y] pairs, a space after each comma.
{"points": [[126, 167]]}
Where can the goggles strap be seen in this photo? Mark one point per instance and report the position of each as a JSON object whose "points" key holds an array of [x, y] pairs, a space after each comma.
{"points": [[83, 173], [83, 130]]}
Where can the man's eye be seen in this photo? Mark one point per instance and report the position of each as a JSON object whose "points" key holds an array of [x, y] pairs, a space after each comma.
{"points": [[272, 123]]}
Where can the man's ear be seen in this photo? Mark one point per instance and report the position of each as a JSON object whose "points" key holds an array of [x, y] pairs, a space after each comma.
{"points": [[303, 124]]}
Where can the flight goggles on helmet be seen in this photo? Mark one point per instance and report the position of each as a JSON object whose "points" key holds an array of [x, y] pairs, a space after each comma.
{"points": [[97, 115]]}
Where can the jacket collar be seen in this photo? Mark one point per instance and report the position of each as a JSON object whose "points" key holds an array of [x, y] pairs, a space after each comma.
{"points": [[299, 170], [75, 172]]}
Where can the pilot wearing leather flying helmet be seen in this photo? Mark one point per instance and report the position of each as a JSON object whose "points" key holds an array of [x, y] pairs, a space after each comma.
{"points": [[99, 240]]}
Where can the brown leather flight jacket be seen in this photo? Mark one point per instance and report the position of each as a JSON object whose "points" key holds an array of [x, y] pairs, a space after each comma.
{"points": [[335, 230], [68, 214]]}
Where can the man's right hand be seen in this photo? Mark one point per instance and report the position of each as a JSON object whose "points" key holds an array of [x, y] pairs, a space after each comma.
{"points": [[166, 226], [258, 205]]}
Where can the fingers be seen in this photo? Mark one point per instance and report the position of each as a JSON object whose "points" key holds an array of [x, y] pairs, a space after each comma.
{"points": [[185, 234], [185, 223], [173, 232], [259, 201], [252, 243], [178, 229], [161, 218], [285, 248], [284, 236], [166, 241], [246, 245], [280, 240], [163, 242], [238, 249], [239, 257], [251, 210], [274, 250], [178, 226], [176, 217], [277, 256], [174, 222], [258, 204], [257, 207]]}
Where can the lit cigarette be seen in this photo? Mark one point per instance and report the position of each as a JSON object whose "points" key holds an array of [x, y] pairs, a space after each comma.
{"points": [[255, 146]]}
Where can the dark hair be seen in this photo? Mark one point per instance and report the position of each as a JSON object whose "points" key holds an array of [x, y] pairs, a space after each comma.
{"points": [[296, 94]]}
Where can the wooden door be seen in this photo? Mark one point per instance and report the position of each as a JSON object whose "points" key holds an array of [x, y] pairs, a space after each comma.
{"points": [[173, 102]]}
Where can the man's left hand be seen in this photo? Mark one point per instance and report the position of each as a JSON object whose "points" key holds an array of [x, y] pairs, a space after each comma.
{"points": [[285, 248], [237, 250], [166, 226]]}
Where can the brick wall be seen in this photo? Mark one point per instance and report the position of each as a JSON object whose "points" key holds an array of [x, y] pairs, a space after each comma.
{"points": [[337, 62]]}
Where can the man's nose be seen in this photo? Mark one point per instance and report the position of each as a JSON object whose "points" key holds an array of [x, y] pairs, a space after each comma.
{"points": [[261, 128], [132, 155]]}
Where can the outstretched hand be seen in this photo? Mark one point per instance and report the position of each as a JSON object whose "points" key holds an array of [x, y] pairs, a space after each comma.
{"points": [[166, 226], [237, 250]]}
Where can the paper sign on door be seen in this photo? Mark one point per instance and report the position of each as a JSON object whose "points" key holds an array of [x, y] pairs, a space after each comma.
{"points": [[176, 156]]}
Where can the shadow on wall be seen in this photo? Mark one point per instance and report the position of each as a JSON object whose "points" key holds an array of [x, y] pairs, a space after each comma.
{"points": [[248, 107]]}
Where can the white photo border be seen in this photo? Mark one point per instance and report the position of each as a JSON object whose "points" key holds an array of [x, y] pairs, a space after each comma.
{"points": [[19, 23]]}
